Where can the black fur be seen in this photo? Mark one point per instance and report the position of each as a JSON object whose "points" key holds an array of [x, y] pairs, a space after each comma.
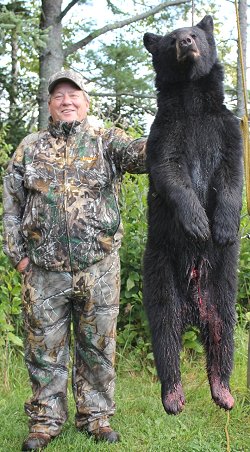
{"points": [[194, 160]]}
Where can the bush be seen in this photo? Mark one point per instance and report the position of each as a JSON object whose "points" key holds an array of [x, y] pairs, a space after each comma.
{"points": [[10, 287], [10, 304], [244, 261], [132, 323]]}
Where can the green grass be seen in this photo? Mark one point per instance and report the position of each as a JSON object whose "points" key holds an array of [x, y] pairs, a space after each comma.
{"points": [[140, 418]]}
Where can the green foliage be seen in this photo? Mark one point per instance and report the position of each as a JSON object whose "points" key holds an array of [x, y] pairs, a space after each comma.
{"points": [[114, 8], [244, 262], [119, 70], [16, 18], [10, 301], [5, 152], [132, 324], [21, 40], [10, 313], [10, 305], [191, 342]]}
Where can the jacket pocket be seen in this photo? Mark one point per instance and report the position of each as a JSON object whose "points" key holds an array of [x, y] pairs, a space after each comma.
{"points": [[36, 221]]}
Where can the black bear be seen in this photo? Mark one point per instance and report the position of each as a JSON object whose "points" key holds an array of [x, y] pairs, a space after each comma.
{"points": [[194, 161]]}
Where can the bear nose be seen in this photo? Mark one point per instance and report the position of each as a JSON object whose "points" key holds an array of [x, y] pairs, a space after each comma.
{"points": [[185, 42]]}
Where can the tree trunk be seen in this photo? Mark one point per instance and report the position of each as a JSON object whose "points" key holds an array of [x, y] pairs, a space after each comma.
{"points": [[51, 59], [242, 7]]}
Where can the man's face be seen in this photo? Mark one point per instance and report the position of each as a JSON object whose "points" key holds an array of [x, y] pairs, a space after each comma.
{"points": [[68, 103]]}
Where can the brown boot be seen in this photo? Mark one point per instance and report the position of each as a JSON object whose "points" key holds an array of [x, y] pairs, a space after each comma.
{"points": [[36, 441], [105, 434]]}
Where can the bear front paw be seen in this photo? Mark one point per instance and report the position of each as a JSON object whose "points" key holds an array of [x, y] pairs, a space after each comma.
{"points": [[197, 226], [223, 234]]}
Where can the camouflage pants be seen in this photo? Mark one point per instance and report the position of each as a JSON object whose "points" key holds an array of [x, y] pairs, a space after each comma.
{"points": [[50, 300]]}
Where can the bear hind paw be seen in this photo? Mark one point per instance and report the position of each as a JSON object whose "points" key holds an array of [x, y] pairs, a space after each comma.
{"points": [[173, 401], [221, 395]]}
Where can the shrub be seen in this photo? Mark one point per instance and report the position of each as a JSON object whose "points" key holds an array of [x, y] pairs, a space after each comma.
{"points": [[132, 323], [244, 261], [10, 287]]}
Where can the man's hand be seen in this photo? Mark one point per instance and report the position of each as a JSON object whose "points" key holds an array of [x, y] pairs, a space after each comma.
{"points": [[22, 264]]}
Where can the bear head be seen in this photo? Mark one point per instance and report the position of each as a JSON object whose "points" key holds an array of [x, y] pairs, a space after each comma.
{"points": [[185, 54]]}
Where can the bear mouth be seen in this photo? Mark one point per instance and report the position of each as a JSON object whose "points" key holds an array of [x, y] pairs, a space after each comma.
{"points": [[187, 54]]}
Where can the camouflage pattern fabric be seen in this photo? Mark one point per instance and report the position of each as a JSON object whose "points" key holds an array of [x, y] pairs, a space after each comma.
{"points": [[61, 195], [61, 210], [50, 299]]}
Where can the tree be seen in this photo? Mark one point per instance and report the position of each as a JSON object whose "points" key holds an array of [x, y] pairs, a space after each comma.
{"points": [[18, 83], [122, 82], [54, 55], [68, 44]]}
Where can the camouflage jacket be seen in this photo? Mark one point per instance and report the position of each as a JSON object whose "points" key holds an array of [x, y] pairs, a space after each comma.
{"points": [[61, 195]]}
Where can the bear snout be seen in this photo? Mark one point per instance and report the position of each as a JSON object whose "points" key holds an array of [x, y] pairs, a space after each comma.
{"points": [[186, 47]]}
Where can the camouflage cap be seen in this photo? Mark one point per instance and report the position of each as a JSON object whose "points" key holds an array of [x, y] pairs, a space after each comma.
{"points": [[63, 75]]}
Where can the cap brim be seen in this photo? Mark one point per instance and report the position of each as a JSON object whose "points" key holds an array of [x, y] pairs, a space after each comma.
{"points": [[62, 79]]}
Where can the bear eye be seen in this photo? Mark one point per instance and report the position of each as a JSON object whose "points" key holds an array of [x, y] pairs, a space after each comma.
{"points": [[193, 36]]}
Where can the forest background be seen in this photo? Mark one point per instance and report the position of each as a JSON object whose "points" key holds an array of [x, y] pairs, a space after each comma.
{"points": [[103, 41]]}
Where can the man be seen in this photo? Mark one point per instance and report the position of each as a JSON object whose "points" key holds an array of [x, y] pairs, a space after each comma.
{"points": [[62, 231]]}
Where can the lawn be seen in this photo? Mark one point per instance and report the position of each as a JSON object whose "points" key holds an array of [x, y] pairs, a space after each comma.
{"points": [[140, 418]]}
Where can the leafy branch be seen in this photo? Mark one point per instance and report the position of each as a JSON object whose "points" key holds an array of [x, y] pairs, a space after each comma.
{"points": [[120, 24]]}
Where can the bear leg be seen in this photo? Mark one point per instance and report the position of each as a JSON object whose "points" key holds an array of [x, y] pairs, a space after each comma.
{"points": [[216, 308], [163, 308], [218, 341]]}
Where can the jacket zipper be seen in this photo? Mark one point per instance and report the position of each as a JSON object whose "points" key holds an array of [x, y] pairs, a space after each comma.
{"points": [[66, 188]]}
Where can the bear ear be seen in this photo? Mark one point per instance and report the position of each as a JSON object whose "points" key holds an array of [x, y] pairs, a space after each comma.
{"points": [[206, 24], [150, 41]]}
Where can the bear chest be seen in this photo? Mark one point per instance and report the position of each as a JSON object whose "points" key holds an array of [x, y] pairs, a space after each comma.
{"points": [[202, 153]]}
